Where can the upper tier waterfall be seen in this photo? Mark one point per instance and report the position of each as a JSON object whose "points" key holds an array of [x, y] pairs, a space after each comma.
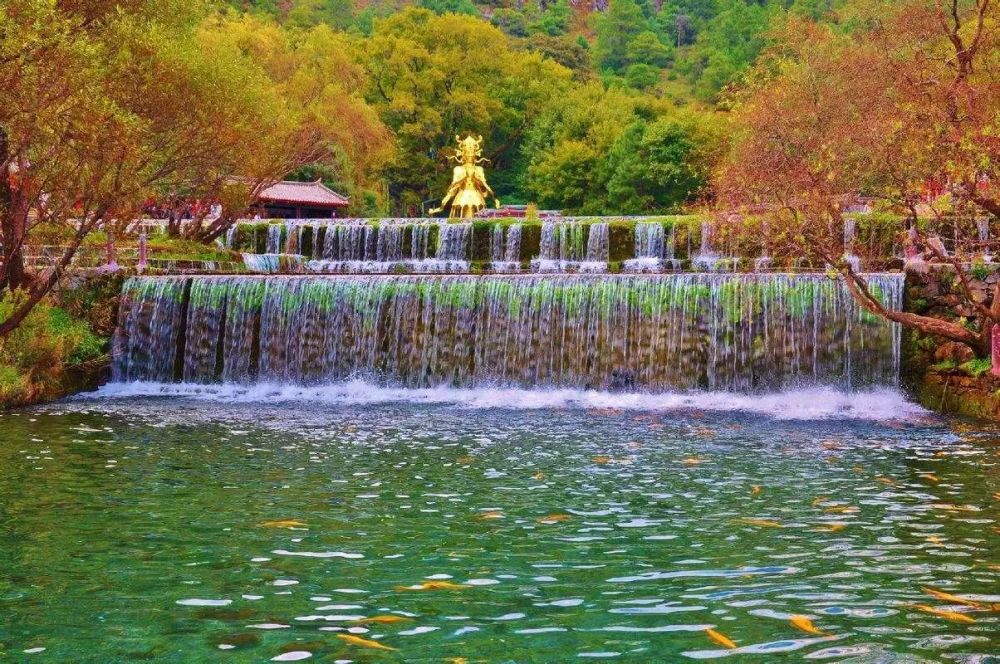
{"points": [[735, 332]]}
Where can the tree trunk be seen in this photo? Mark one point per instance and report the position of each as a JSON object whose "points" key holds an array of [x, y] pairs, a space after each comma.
{"points": [[980, 343], [12, 223], [42, 287]]}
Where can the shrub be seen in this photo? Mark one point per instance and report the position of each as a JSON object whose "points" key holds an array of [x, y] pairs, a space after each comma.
{"points": [[35, 357]]}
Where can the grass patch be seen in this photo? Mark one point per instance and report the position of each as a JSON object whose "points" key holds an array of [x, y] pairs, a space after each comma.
{"points": [[35, 359]]}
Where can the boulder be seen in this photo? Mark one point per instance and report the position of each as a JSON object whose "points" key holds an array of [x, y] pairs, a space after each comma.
{"points": [[954, 351]]}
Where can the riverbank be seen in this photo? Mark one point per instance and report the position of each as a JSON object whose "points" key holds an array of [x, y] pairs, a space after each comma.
{"points": [[63, 346]]}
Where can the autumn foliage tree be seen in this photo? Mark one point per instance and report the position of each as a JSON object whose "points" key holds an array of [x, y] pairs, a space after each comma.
{"points": [[907, 97], [105, 104]]}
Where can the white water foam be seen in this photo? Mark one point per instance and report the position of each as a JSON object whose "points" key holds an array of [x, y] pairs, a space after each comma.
{"points": [[815, 403]]}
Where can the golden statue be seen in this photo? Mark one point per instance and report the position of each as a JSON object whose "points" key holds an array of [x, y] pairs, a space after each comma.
{"points": [[468, 191]]}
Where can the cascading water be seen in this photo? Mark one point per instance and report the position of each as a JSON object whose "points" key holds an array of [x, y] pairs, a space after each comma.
{"points": [[562, 247], [743, 332], [274, 238], [849, 255], [707, 258], [505, 248], [654, 249], [598, 249]]}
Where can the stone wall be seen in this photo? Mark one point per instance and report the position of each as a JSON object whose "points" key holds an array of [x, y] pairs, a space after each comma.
{"points": [[946, 376]]}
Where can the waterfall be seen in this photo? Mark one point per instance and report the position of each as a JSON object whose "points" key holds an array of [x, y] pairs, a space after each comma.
{"points": [[598, 249], [389, 243], [563, 247], [983, 228], [505, 248], [453, 248], [420, 242], [274, 238], [654, 249], [735, 332], [849, 255], [262, 263]]}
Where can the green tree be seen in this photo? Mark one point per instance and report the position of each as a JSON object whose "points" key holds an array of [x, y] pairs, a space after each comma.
{"points": [[616, 29], [432, 77], [554, 21], [450, 7], [727, 46], [662, 165]]}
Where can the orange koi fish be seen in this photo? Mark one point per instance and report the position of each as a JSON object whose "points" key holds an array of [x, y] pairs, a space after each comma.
{"points": [[763, 523], [755, 489], [491, 515], [806, 625], [954, 616], [285, 523], [434, 585], [380, 620], [364, 643], [720, 638], [832, 527], [553, 518], [948, 597], [841, 509], [601, 459]]}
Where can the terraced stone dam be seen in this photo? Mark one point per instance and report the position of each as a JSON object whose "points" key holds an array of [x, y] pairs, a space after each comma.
{"points": [[722, 332]]}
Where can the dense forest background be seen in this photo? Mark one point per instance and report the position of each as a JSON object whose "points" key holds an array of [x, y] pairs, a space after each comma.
{"points": [[592, 107]]}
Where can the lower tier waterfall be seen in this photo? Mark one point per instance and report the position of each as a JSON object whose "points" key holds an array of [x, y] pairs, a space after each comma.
{"points": [[731, 332]]}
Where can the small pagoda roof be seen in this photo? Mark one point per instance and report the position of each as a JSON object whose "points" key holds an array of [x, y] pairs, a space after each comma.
{"points": [[304, 194]]}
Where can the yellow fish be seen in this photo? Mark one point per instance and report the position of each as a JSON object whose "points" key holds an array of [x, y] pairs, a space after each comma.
{"points": [[947, 615], [763, 523], [553, 518], [806, 625], [997, 495], [720, 638], [465, 460], [286, 523], [692, 461], [841, 509], [434, 585], [458, 660], [380, 620], [538, 476], [934, 539], [884, 480], [930, 476], [954, 599], [491, 515], [364, 643], [832, 527], [601, 459], [819, 501], [755, 489]]}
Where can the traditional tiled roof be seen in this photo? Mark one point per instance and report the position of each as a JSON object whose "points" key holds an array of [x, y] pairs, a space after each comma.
{"points": [[312, 194]]}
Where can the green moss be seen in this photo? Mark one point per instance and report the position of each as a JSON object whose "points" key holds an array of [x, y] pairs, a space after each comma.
{"points": [[306, 241], [944, 365], [531, 240], [977, 367], [621, 240], [482, 239], [980, 271]]}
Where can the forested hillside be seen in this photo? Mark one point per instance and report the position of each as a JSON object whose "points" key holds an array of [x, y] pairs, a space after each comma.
{"points": [[591, 107]]}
